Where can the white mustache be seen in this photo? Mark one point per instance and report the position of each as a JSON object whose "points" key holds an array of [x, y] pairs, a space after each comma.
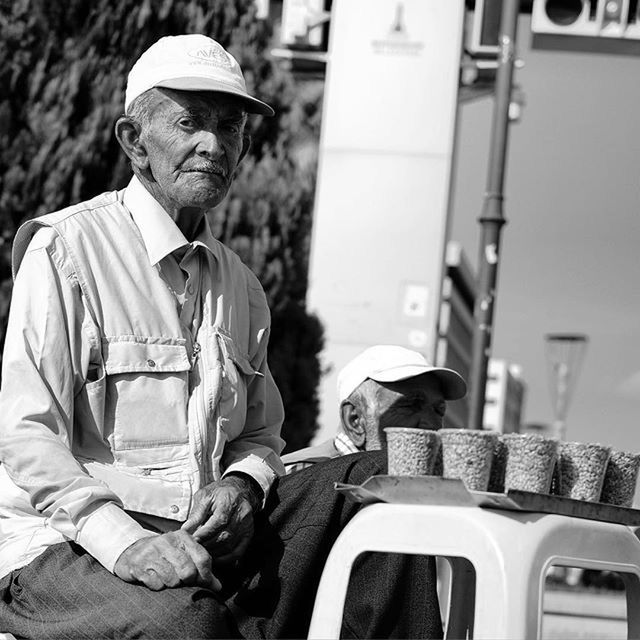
{"points": [[209, 168]]}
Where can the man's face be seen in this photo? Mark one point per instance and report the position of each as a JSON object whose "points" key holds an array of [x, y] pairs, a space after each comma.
{"points": [[417, 402], [194, 142]]}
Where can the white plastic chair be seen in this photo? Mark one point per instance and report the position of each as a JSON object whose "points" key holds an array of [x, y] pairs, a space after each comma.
{"points": [[499, 560]]}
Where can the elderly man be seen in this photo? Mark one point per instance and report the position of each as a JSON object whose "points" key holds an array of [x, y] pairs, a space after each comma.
{"points": [[140, 424], [384, 386]]}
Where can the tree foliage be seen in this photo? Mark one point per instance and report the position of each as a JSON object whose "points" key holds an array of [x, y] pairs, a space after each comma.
{"points": [[63, 67]]}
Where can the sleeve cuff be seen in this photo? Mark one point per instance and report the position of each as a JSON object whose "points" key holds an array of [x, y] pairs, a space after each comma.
{"points": [[107, 532], [259, 470]]}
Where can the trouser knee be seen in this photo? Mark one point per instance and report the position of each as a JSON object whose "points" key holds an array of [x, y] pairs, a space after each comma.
{"points": [[188, 612]]}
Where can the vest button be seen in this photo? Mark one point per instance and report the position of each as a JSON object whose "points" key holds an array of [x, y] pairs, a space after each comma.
{"points": [[174, 508], [151, 363]]}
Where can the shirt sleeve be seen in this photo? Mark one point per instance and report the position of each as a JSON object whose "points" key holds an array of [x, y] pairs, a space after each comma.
{"points": [[49, 344], [256, 451]]}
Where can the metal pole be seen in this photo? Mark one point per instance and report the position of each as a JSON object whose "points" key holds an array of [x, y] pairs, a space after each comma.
{"points": [[492, 218]]}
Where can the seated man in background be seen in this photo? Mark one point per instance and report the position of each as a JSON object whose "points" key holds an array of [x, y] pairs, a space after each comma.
{"points": [[388, 386], [384, 386]]}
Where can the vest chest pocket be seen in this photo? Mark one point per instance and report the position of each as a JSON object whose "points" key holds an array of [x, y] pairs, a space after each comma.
{"points": [[147, 382]]}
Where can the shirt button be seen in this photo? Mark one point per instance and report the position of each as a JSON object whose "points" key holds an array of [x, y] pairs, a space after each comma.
{"points": [[151, 363], [174, 508], [190, 289]]}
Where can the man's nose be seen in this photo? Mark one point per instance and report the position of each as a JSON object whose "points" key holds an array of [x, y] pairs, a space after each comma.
{"points": [[209, 145], [430, 421]]}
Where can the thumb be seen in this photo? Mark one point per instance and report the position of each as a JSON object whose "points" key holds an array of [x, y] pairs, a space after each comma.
{"points": [[195, 519]]}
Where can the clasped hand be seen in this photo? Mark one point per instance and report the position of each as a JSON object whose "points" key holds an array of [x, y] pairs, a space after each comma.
{"points": [[222, 517], [219, 528]]}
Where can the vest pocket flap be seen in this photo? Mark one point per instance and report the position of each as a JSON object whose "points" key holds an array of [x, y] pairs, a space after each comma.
{"points": [[231, 351], [132, 354]]}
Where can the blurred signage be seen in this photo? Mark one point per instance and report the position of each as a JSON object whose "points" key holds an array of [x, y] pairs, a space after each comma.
{"points": [[599, 26], [392, 65], [382, 196], [455, 327]]}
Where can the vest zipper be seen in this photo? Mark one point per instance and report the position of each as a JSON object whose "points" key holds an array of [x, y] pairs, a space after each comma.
{"points": [[202, 411], [195, 353]]}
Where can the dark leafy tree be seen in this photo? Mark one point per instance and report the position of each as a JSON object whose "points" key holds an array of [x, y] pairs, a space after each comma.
{"points": [[63, 66]]}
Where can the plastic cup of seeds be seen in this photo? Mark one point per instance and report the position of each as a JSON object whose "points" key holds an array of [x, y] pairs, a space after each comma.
{"points": [[467, 455], [530, 461], [620, 478], [498, 466], [410, 451], [582, 468]]}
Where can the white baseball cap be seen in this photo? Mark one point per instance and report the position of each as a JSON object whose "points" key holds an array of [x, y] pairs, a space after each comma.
{"points": [[390, 363], [190, 63]]}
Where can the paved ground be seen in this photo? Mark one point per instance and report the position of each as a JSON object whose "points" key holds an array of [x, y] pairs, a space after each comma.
{"points": [[584, 614]]}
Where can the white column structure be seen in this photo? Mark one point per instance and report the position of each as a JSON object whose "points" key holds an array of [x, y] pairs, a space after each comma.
{"points": [[385, 171]]}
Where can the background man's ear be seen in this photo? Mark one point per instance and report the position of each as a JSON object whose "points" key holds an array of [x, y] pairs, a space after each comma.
{"points": [[128, 135], [353, 423]]}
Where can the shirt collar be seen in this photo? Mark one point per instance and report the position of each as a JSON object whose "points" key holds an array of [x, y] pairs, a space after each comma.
{"points": [[343, 443], [159, 232]]}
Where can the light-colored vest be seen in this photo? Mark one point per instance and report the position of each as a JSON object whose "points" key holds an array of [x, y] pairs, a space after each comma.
{"points": [[134, 432]]}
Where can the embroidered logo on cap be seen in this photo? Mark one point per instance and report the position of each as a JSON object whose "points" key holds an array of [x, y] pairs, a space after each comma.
{"points": [[215, 55]]}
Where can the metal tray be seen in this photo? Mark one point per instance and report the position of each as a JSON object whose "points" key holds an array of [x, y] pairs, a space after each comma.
{"points": [[435, 490]]}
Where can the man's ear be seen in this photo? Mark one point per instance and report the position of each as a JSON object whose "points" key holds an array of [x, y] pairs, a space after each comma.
{"points": [[128, 135], [353, 424]]}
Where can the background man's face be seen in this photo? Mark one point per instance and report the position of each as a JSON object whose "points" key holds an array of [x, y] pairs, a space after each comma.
{"points": [[417, 402], [194, 141]]}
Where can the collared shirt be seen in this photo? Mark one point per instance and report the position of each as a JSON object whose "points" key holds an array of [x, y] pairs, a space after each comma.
{"points": [[48, 353], [341, 445]]}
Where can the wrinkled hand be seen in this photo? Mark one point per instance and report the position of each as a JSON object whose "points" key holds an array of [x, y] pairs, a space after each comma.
{"points": [[222, 517], [169, 560]]}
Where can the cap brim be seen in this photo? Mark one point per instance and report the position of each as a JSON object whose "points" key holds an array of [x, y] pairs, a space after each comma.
{"points": [[195, 83], [453, 385]]}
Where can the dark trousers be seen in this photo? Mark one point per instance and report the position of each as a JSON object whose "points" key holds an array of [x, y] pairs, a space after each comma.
{"points": [[65, 593]]}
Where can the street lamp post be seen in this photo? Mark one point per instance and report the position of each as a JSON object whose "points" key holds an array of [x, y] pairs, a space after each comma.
{"points": [[492, 218], [565, 352]]}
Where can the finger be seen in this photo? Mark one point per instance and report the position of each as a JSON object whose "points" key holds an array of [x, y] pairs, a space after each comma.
{"points": [[150, 578], [201, 561], [225, 515], [164, 568], [196, 517], [177, 568], [211, 528]]}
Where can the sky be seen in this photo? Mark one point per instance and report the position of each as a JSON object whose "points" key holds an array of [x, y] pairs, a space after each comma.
{"points": [[570, 251]]}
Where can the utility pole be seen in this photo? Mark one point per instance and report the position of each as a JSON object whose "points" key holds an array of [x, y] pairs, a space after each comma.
{"points": [[492, 217]]}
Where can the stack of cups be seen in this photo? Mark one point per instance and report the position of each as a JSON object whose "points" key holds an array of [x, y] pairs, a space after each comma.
{"points": [[489, 461], [411, 451], [530, 460], [582, 467], [620, 478], [467, 455]]}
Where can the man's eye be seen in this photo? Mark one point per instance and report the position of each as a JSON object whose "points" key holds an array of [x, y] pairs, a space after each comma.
{"points": [[232, 127], [187, 123]]}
